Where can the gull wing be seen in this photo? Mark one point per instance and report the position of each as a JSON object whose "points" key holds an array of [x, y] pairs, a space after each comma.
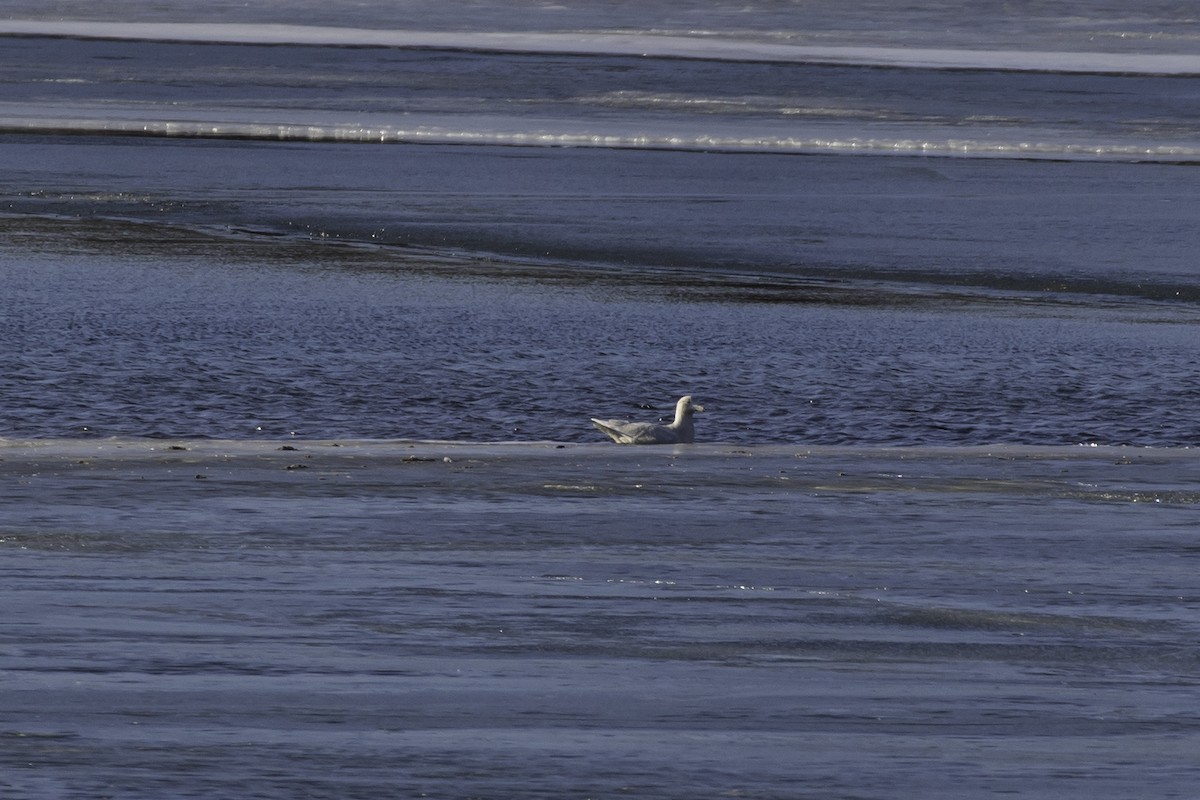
{"points": [[625, 432]]}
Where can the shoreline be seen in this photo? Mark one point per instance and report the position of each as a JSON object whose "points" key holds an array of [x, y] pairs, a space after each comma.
{"points": [[542, 475]]}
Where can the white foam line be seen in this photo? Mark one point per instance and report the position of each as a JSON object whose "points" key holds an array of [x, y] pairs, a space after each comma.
{"points": [[964, 148], [648, 45]]}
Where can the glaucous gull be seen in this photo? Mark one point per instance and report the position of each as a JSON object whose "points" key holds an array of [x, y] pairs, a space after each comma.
{"points": [[678, 432]]}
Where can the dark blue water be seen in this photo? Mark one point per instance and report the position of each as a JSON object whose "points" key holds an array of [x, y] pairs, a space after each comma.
{"points": [[115, 329]]}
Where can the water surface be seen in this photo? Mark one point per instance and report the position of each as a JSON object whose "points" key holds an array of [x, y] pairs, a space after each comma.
{"points": [[302, 326]]}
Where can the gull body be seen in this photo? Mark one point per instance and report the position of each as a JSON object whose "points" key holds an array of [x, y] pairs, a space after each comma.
{"points": [[678, 432]]}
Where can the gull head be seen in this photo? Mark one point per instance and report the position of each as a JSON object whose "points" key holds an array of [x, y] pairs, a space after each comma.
{"points": [[686, 407]]}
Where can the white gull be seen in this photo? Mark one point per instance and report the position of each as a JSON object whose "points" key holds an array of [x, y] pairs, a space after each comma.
{"points": [[678, 432]]}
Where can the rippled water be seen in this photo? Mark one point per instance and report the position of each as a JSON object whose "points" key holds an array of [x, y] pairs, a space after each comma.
{"points": [[125, 333]]}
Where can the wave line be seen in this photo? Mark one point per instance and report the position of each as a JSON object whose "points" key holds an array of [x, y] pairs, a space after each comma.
{"points": [[648, 45]]}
